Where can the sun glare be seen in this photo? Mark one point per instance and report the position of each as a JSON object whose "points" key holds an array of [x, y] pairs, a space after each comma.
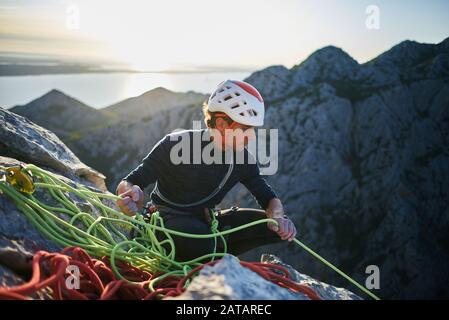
{"points": [[131, 33]]}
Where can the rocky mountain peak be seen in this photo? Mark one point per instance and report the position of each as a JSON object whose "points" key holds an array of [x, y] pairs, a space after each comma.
{"points": [[408, 61], [158, 91], [55, 93], [51, 98], [405, 54], [154, 100], [330, 55], [61, 113], [272, 82], [444, 45], [326, 64]]}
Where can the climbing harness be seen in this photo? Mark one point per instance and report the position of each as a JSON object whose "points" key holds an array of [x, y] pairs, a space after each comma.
{"points": [[101, 232]]}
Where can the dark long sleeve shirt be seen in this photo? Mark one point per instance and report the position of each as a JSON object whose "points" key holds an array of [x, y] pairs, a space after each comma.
{"points": [[186, 183]]}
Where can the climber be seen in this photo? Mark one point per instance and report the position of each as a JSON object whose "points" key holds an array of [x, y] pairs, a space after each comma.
{"points": [[185, 192]]}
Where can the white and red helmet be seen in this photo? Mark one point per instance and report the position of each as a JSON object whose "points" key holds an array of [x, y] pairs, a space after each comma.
{"points": [[240, 101]]}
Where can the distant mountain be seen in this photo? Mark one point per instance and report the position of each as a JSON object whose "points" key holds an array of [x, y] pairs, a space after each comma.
{"points": [[153, 101], [70, 119], [64, 115]]}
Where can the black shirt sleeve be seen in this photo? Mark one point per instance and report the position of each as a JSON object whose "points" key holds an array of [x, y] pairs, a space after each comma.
{"points": [[258, 186], [148, 170]]}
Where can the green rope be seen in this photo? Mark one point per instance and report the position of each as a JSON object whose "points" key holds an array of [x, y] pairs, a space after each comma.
{"points": [[103, 235]]}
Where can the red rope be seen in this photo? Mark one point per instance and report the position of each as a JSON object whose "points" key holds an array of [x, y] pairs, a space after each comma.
{"points": [[98, 281]]}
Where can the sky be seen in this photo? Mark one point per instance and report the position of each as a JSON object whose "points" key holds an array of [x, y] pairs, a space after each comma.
{"points": [[152, 35]]}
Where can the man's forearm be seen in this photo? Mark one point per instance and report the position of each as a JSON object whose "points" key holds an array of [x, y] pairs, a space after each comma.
{"points": [[275, 208]]}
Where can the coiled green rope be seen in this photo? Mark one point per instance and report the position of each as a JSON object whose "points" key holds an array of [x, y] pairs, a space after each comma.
{"points": [[103, 235]]}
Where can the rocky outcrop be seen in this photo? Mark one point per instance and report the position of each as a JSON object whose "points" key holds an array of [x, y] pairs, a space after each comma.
{"points": [[15, 261], [21, 142], [15, 229], [324, 290], [24, 140], [228, 280]]}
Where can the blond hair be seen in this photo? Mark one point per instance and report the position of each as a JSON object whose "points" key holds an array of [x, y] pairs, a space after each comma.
{"points": [[211, 117]]}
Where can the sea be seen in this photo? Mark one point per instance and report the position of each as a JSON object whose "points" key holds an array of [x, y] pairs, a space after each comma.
{"points": [[100, 90]]}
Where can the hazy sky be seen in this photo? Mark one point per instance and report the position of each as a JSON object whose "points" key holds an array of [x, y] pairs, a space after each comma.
{"points": [[192, 34]]}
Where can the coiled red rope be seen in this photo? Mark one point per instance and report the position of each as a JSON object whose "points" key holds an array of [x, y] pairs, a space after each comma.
{"points": [[97, 281]]}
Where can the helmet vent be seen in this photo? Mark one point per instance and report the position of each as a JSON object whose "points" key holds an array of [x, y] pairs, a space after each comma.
{"points": [[242, 114], [237, 94], [235, 106], [227, 97]]}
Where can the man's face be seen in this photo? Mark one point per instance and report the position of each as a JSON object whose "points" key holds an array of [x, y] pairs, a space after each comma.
{"points": [[235, 135]]}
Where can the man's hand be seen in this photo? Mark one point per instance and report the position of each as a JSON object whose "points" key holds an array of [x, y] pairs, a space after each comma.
{"points": [[132, 198], [285, 228]]}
